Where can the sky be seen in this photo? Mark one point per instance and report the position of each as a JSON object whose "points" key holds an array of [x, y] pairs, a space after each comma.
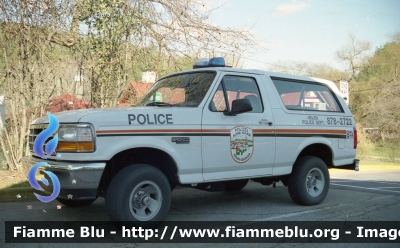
{"points": [[308, 30]]}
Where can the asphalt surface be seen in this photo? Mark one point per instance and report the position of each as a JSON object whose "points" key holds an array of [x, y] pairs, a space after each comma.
{"points": [[367, 195]]}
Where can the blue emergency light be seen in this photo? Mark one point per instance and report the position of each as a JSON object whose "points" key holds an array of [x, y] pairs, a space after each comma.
{"points": [[213, 62]]}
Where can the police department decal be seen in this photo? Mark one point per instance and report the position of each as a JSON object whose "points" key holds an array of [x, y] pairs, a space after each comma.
{"points": [[241, 144]]}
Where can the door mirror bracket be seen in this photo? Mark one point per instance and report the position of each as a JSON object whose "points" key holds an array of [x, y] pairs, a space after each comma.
{"points": [[240, 106]]}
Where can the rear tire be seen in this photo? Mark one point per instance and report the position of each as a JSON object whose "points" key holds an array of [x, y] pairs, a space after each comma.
{"points": [[309, 181], [138, 193]]}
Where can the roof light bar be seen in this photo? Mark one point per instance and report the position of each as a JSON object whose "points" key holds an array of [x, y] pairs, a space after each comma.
{"points": [[213, 62]]}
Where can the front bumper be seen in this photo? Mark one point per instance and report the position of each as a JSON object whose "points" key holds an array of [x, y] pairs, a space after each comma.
{"points": [[78, 180]]}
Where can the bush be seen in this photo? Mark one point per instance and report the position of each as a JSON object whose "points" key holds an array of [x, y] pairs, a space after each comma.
{"points": [[365, 146]]}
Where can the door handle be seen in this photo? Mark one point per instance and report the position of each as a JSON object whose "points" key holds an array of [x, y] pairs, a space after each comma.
{"points": [[265, 121]]}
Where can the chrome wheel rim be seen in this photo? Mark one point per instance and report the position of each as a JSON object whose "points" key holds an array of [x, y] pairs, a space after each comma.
{"points": [[145, 200], [315, 182]]}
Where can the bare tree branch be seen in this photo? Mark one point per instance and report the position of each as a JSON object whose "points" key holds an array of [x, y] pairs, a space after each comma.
{"points": [[354, 54]]}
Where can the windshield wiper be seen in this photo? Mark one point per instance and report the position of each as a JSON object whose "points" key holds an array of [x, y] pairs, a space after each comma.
{"points": [[159, 104]]}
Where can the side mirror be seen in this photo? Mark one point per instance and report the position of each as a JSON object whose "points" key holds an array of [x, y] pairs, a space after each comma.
{"points": [[240, 106]]}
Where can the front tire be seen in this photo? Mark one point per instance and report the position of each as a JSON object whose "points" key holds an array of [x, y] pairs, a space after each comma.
{"points": [[138, 193], [309, 181]]}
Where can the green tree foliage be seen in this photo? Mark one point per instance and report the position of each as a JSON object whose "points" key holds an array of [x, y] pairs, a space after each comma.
{"points": [[106, 48], [27, 72], [93, 49], [124, 37], [384, 66], [377, 92]]}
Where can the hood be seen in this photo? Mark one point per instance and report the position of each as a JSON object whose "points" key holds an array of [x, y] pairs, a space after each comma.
{"points": [[73, 116]]}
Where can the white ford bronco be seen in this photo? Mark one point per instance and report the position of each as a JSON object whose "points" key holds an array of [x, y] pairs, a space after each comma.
{"points": [[211, 128]]}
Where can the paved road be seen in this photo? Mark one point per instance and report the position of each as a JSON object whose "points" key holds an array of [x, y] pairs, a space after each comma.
{"points": [[372, 195]]}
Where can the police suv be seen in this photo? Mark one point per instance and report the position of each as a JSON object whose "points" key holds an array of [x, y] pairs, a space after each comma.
{"points": [[211, 128]]}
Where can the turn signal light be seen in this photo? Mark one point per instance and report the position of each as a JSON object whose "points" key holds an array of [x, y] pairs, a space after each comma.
{"points": [[75, 146]]}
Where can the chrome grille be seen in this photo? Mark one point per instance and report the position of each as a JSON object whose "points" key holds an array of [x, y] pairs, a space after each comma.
{"points": [[34, 131]]}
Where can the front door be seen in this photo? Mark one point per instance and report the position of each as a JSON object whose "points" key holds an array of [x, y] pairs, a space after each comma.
{"points": [[242, 145]]}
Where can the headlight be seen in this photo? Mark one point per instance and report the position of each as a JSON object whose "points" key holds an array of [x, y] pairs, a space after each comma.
{"points": [[75, 138]]}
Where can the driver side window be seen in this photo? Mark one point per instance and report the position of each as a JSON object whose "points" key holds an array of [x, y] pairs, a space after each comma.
{"points": [[236, 87]]}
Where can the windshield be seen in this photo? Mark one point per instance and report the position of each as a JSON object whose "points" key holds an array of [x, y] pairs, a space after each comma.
{"points": [[183, 90]]}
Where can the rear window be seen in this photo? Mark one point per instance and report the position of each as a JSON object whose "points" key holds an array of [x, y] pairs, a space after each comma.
{"points": [[300, 95]]}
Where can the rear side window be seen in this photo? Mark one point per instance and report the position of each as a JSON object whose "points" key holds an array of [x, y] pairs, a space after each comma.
{"points": [[300, 95]]}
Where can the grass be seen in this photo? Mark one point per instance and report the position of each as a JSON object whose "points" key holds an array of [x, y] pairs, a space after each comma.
{"points": [[10, 184], [19, 185], [392, 152], [381, 154], [370, 165], [379, 151], [13, 179]]}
